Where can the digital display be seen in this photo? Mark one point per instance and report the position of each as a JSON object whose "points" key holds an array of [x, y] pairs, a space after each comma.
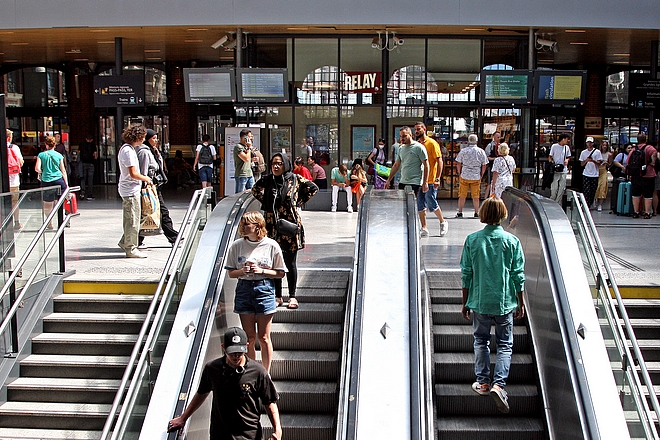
{"points": [[508, 86], [559, 87], [263, 85], [209, 85]]}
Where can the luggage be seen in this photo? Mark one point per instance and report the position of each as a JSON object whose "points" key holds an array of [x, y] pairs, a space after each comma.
{"points": [[614, 194], [71, 205], [624, 199]]}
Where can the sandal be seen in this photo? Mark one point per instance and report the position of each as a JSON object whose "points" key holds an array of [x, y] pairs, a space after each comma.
{"points": [[293, 303], [279, 301], [647, 215], [635, 215]]}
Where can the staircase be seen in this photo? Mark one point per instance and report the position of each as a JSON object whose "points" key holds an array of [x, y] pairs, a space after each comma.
{"points": [[461, 413], [68, 381], [306, 360]]}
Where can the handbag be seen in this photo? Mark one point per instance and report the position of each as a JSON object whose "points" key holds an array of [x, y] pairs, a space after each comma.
{"points": [[283, 226], [382, 170], [559, 167]]}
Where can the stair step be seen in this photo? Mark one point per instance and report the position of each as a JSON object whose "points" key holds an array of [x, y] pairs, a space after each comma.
{"points": [[288, 336], [101, 303], [318, 295], [305, 365], [65, 390], [448, 314], [642, 308], [48, 434], [75, 366], [302, 426], [491, 428], [64, 322], [459, 368], [460, 338], [45, 415], [459, 399], [442, 296], [319, 313], [306, 397], [84, 344]]}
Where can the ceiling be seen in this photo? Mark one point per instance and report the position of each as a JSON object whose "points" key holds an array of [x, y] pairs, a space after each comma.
{"points": [[578, 47]]}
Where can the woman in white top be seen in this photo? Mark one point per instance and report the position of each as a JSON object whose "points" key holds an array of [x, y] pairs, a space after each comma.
{"points": [[503, 168], [601, 191]]}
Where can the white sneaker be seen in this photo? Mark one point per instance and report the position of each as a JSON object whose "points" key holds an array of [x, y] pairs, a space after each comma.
{"points": [[333, 209], [600, 208], [143, 247], [136, 254], [423, 232], [444, 227], [350, 209]]}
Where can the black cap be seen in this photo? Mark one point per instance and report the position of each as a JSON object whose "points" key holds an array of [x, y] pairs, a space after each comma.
{"points": [[235, 340]]}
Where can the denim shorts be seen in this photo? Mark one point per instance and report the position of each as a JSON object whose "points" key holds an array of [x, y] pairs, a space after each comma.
{"points": [[255, 297], [427, 199], [205, 174]]}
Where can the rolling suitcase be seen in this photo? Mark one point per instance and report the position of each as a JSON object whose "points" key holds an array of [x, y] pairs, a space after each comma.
{"points": [[614, 195], [624, 199]]}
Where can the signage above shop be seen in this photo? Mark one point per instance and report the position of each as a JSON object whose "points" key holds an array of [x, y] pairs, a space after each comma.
{"points": [[119, 91], [363, 82]]}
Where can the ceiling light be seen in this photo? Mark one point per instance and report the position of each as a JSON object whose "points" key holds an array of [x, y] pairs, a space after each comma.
{"points": [[621, 62], [575, 31], [197, 29], [578, 43], [98, 31], [11, 61], [106, 42], [22, 43], [154, 58], [152, 51], [73, 51], [305, 28], [193, 41], [81, 59], [620, 54], [474, 29]]}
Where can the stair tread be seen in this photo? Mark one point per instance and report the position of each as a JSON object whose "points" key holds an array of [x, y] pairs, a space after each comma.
{"points": [[56, 408], [74, 360], [473, 423], [468, 358], [64, 383], [460, 389], [304, 327], [102, 297], [85, 337], [51, 434], [298, 355], [284, 386], [95, 317]]}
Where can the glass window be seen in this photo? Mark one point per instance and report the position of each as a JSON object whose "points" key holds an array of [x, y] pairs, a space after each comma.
{"points": [[407, 81], [503, 51], [319, 125], [361, 79], [35, 87], [360, 129], [616, 88], [454, 55], [316, 73]]}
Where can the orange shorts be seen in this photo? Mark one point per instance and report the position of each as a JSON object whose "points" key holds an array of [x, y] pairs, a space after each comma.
{"points": [[474, 186]]}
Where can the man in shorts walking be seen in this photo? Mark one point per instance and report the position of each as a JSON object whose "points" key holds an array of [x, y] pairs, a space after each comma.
{"points": [[428, 199], [471, 164]]}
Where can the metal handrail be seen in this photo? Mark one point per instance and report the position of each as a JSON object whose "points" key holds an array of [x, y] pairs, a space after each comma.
{"points": [[19, 265], [595, 245], [10, 216], [199, 199]]}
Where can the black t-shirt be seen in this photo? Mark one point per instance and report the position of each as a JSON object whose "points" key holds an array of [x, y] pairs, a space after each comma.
{"points": [[235, 410], [87, 150]]}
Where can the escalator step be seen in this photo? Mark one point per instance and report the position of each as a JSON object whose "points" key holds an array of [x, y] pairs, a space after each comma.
{"points": [[306, 397], [317, 313], [302, 426], [304, 365], [457, 399], [459, 368], [459, 338], [287, 336], [491, 428]]}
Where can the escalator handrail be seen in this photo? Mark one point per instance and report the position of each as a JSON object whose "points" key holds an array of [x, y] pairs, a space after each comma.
{"points": [[198, 200], [42, 259], [595, 245], [350, 366], [197, 351]]}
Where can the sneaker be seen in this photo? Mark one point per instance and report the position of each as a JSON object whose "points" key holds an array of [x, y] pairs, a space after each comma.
{"points": [[600, 208], [91, 198], [459, 215], [333, 209], [423, 232], [350, 209], [444, 227], [500, 397], [136, 254], [143, 247], [476, 215], [481, 388]]}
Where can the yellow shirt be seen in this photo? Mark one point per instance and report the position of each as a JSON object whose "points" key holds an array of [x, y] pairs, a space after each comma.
{"points": [[433, 152]]}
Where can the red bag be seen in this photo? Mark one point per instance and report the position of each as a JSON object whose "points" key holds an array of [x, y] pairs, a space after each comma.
{"points": [[13, 164], [71, 205]]}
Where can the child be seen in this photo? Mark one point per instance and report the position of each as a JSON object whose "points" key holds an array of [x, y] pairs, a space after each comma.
{"points": [[255, 260]]}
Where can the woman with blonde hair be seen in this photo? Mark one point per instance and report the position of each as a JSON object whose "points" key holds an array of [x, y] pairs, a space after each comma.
{"points": [[358, 182], [608, 157], [503, 168], [255, 260], [50, 164]]}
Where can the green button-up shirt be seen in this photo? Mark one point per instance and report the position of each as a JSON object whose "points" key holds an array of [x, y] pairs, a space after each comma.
{"points": [[493, 271]]}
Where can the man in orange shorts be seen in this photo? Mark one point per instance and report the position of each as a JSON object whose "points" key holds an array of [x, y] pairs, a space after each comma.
{"points": [[471, 164]]}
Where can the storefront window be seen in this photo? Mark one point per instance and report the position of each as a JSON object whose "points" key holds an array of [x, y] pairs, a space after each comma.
{"points": [[35, 87], [360, 129], [316, 76], [319, 126], [361, 65]]}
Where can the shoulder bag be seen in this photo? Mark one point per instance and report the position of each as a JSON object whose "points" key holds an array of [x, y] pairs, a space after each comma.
{"points": [[283, 226]]}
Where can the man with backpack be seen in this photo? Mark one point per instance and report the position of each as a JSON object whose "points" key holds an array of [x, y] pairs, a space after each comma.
{"points": [[641, 170], [204, 161], [14, 164]]}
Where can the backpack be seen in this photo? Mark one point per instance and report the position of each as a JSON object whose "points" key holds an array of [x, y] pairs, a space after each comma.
{"points": [[12, 161], [205, 155], [636, 161]]}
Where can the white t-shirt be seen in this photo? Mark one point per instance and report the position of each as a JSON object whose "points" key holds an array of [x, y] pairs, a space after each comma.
{"points": [[472, 158], [265, 253], [559, 154], [590, 169], [210, 165], [15, 179], [127, 157]]}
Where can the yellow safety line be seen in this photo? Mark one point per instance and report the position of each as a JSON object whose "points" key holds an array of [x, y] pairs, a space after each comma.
{"points": [[640, 292], [111, 288]]}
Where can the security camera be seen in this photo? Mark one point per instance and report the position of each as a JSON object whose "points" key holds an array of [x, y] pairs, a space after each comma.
{"points": [[547, 45], [396, 40], [220, 42]]}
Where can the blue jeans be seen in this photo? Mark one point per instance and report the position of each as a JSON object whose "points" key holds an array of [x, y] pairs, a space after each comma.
{"points": [[503, 339], [427, 199], [243, 183]]}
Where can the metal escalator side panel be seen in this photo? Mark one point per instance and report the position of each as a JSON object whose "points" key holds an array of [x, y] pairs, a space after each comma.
{"points": [[578, 388]]}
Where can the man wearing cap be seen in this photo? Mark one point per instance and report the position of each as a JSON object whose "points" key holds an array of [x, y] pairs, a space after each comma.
{"points": [[590, 159], [239, 385]]}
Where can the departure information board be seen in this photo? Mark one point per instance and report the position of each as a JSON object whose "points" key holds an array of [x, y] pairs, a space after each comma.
{"points": [[209, 85], [263, 85], [507, 86]]}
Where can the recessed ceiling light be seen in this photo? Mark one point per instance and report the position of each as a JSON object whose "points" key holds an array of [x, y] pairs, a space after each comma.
{"points": [[620, 54], [152, 51], [106, 42], [621, 62], [6, 32], [154, 58], [193, 41], [98, 31], [578, 43], [22, 43], [73, 51], [305, 28], [11, 61], [474, 29], [575, 31], [81, 59], [197, 29]]}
